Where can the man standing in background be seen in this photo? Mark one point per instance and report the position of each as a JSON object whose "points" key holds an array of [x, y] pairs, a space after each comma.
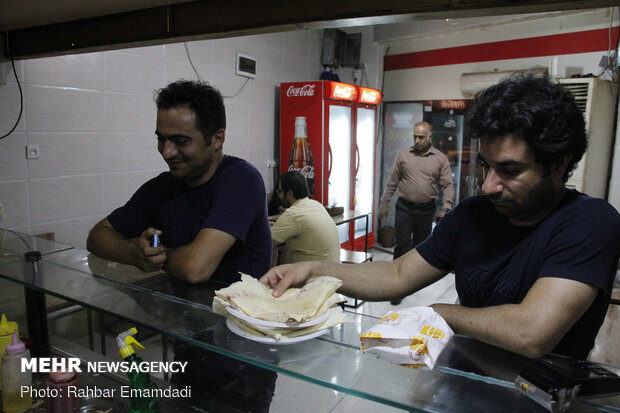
{"points": [[418, 173]]}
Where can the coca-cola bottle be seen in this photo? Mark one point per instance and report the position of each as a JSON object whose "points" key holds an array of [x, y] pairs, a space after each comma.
{"points": [[301, 156]]}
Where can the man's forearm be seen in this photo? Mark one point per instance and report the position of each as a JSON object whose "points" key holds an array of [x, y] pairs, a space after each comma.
{"points": [[503, 326], [182, 264], [533, 327], [447, 186], [362, 280], [197, 261], [106, 243], [391, 185], [388, 193], [381, 280]]}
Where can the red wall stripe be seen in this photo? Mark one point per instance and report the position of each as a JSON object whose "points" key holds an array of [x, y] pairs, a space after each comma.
{"points": [[552, 45]]}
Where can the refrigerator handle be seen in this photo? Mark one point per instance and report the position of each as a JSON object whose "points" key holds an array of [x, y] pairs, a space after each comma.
{"points": [[357, 160], [329, 163]]}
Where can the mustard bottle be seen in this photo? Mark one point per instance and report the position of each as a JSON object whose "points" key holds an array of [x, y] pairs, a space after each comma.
{"points": [[6, 337]]}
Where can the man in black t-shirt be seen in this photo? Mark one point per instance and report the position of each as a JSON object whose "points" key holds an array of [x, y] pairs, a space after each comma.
{"points": [[210, 215], [209, 211], [533, 261]]}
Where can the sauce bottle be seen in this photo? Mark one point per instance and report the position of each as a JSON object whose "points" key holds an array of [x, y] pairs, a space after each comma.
{"points": [[6, 337], [64, 384], [13, 378]]}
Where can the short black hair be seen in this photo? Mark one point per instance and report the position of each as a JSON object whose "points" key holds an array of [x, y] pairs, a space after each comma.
{"points": [[294, 181], [540, 111], [205, 100]]}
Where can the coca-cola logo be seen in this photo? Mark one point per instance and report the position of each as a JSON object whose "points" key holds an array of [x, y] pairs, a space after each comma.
{"points": [[369, 96], [343, 92], [305, 90], [307, 171], [452, 104]]}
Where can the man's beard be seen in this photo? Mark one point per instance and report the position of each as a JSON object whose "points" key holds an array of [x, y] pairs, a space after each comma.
{"points": [[537, 202], [286, 203]]}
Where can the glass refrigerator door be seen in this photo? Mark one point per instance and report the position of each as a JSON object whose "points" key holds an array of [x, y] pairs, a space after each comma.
{"points": [[365, 168], [448, 138], [340, 164]]}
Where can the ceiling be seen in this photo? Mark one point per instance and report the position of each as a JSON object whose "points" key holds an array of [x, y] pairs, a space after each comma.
{"points": [[19, 14], [35, 28]]}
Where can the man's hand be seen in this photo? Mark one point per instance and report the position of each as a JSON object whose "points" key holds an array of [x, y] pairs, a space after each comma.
{"points": [[441, 214], [106, 243], [383, 211], [282, 277], [147, 257]]}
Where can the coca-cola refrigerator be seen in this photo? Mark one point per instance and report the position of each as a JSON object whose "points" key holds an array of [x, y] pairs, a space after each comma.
{"points": [[328, 131]]}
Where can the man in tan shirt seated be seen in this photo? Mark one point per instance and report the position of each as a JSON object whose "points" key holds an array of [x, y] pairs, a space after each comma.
{"points": [[305, 226]]}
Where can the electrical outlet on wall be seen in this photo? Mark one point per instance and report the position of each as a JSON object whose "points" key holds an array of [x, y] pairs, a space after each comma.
{"points": [[605, 61], [32, 151]]}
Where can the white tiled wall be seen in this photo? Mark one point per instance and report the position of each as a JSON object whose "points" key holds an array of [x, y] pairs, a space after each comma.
{"points": [[93, 116]]}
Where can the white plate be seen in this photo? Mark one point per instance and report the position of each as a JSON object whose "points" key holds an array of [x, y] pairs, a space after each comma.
{"points": [[264, 323], [268, 340]]}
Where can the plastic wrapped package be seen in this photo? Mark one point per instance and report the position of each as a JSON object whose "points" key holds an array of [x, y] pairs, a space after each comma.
{"points": [[412, 337]]}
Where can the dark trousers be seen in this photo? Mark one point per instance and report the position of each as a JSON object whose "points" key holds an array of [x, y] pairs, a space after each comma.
{"points": [[413, 224]]}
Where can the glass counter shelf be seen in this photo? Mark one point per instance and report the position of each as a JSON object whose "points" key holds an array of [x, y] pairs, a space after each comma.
{"points": [[469, 375], [13, 245]]}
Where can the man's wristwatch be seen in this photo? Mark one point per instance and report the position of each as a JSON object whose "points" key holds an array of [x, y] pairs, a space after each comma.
{"points": [[446, 210]]}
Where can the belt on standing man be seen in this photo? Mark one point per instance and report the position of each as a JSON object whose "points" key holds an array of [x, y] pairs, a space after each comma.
{"points": [[418, 204]]}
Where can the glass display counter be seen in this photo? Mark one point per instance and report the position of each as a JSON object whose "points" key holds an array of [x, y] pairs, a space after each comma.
{"points": [[13, 245], [469, 375]]}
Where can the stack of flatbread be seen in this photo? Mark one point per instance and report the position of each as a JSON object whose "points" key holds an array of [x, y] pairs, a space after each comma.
{"points": [[290, 315]]}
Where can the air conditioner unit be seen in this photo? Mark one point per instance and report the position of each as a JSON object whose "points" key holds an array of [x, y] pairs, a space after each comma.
{"points": [[595, 98], [472, 83]]}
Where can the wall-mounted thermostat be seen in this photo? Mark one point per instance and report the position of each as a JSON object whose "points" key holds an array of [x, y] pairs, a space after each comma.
{"points": [[246, 65]]}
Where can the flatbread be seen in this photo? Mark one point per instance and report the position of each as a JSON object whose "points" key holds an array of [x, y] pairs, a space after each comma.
{"points": [[295, 306], [335, 318]]}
